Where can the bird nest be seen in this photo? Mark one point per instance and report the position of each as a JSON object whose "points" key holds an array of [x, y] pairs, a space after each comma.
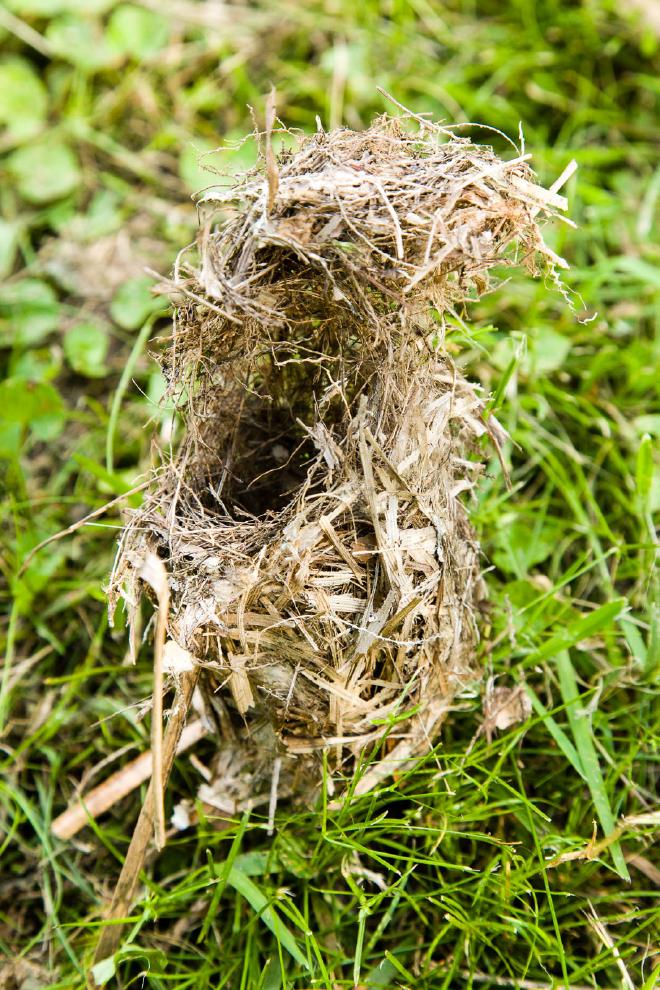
{"points": [[313, 522]]}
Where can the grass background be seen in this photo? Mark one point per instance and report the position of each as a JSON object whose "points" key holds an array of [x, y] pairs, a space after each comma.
{"points": [[444, 878]]}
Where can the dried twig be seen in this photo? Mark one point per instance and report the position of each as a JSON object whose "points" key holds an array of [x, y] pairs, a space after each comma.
{"points": [[154, 573], [118, 786], [134, 861], [271, 162]]}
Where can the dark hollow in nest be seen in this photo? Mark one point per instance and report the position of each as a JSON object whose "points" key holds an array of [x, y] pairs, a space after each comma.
{"points": [[321, 562]]}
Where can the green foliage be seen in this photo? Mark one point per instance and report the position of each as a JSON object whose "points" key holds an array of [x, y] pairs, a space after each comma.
{"points": [[8, 243], [29, 312], [134, 302], [137, 32], [28, 408], [476, 868], [86, 348], [24, 99], [45, 170], [82, 42]]}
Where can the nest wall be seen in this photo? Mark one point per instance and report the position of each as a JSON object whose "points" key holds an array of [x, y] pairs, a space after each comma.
{"points": [[314, 520]]}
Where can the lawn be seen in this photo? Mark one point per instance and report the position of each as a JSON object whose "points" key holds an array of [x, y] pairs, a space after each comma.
{"points": [[516, 858]]}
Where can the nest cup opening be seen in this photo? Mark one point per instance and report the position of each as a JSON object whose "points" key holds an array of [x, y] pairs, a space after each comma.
{"points": [[264, 460], [261, 452]]}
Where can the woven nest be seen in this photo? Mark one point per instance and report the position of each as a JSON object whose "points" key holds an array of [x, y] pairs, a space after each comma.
{"points": [[313, 522]]}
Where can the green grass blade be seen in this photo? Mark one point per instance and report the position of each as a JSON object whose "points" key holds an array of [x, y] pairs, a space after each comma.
{"points": [[392, 959], [499, 397], [580, 629], [635, 642], [363, 914], [124, 381], [653, 980], [557, 733], [644, 472], [260, 905], [227, 867], [581, 729]]}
